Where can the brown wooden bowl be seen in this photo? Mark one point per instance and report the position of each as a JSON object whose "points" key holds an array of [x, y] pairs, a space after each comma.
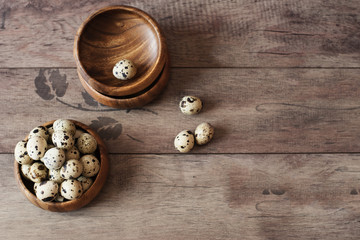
{"points": [[114, 33], [26, 186], [132, 101]]}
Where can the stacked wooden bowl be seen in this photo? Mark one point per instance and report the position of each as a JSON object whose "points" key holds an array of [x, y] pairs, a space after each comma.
{"points": [[121, 32]]}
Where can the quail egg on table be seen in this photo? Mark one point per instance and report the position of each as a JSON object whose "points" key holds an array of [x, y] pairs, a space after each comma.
{"points": [[190, 105], [21, 154], [47, 190], [91, 165], [36, 147], [184, 141], [124, 69], [86, 143], [63, 139], [204, 132], [54, 158], [71, 169], [71, 189]]}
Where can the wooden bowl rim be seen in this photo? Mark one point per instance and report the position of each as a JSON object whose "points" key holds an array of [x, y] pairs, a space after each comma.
{"points": [[88, 196], [144, 98], [143, 81]]}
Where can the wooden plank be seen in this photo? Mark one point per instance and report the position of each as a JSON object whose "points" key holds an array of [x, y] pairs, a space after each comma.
{"points": [[202, 197], [253, 110], [247, 33]]}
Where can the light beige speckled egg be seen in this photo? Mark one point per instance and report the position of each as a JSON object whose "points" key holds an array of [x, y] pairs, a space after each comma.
{"points": [[204, 132], [40, 131], [71, 189], [63, 139], [64, 125], [55, 175], [54, 158], [71, 169], [38, 172], [184, 141], [21, 154], [86, 143], [47, 191], [91, 165], [72, 153], [36, 147], [86, 182], [190, 105]]}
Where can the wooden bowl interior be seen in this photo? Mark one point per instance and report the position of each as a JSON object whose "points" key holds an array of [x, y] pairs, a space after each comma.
{"points": [[134, 101], [113, 34], [26, 186]]}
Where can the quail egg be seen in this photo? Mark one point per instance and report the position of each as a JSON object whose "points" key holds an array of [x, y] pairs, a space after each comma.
{"points": [[124, 69], [21, 154], [184, 141], [54, 158], [190, 105], [40, 131], [86, 143], [64, 125], [71, 189], [71, 169], [38, 172], [86, 182], [47, 191], [204, 132], [91, 165], [36, 147], [63, 139]]}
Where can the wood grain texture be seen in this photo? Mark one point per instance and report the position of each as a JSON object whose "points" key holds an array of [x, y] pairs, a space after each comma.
{"points": [[256, 111], [247, 33], [203, 197]]}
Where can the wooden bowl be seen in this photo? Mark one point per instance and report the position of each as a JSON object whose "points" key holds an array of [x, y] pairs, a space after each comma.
{"points": [[133, 101], [114, 33], [26, 186]]}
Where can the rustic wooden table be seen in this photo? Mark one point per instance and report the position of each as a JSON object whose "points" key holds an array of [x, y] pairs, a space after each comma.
{"points": [[280, 82]]}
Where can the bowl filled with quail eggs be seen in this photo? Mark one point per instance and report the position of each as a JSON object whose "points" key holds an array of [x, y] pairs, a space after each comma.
{"points": [[61, 165]]}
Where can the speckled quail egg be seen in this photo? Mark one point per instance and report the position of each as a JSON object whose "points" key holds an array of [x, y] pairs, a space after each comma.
{"points": [[38, 172], [40, 131], [71, 189], [54, 158], [63, 139], [91, 165], [78, 133], [47, 191], [25, 168], [204, 132], [72, 153], [64, 125], [190, 105], [124, 69], [86, 143], [21, 154], [86, 182], [184, 141], [71, 169], [36, 147], [55, 175]]}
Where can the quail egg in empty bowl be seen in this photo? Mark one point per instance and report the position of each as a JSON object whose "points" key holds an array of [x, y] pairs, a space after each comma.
{"points": [[61, 165]]}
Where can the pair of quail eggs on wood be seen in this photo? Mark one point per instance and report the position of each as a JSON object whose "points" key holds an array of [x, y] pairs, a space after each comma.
{"points": [[204, 132], [59, 160]]}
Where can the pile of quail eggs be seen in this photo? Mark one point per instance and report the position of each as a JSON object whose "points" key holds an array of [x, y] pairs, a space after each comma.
{"points": [[59, 160], [204, 132]]}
